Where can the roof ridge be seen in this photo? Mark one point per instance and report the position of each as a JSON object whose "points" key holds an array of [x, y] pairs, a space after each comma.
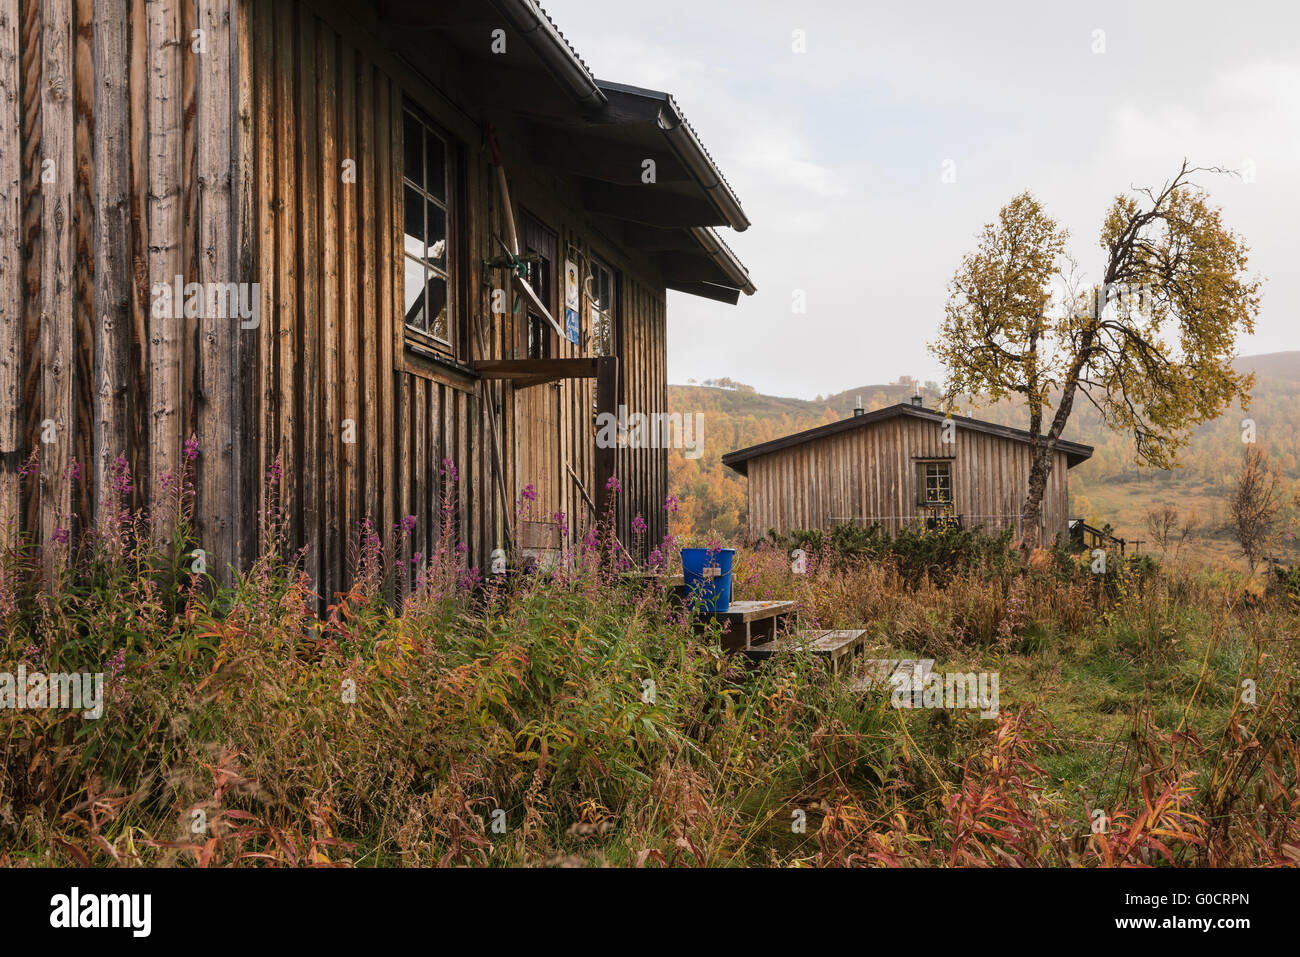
{"points": [[877, 415]]}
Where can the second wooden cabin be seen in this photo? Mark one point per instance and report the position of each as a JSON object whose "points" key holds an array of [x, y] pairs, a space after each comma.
{"points": [[901, 466]]}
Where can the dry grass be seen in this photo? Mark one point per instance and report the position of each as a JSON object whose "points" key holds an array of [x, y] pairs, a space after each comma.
{"points": [[580, 720]]}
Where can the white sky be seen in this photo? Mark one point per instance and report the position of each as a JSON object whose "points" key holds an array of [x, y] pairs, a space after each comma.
{"points": [[837, 153]]}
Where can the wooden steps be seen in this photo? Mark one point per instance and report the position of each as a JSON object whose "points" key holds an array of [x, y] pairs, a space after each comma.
{"points": [[889, 673], [836, 647]]}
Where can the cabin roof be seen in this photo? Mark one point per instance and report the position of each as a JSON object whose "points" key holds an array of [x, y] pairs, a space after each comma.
{"points": [[1075, 452], [600, 132]]}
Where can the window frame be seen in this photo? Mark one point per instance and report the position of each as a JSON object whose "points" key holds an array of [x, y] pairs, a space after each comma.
{"points": [[612, 314], [417, 339], [923, 484], [534, 233]]}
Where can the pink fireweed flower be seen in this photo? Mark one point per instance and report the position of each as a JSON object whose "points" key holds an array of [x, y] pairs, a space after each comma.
{"points": [[74, 470], [638, 525], [612, 484], [408, 524], [59, 535], [560, 519], [449, 470], [670, 504], [121, 477], [192, 448]]}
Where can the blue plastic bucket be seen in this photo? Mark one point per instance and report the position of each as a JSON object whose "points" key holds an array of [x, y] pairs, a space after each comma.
{"points": [[707, 575]]}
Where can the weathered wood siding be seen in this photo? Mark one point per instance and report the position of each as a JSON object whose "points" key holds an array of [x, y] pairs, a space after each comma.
{"points": [[328, 90], [118, 150], [11, 269], [222, 160], [868, 474]]}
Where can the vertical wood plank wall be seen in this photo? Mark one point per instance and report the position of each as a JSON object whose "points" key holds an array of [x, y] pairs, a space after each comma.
{"points": [[11, 270], [868, 474], [117, 156], [338, 277], [223, 163]]}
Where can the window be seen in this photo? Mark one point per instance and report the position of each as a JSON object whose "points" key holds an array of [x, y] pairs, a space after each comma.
{"points": [[604, 309], [934, 483], [540, 247], [426, 248]]}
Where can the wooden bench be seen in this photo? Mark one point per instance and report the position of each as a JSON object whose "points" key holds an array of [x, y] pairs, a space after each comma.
{"points": [[835, 647], [750, 622]]}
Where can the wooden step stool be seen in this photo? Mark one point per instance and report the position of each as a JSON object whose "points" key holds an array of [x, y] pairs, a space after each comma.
{"points": [[836, 647]]}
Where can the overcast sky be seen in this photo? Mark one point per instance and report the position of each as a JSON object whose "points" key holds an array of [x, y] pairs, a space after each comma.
{"points": [[838, 153]]}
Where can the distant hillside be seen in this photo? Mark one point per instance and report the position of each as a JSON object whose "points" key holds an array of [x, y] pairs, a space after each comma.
{"points": [[1109, 487]]}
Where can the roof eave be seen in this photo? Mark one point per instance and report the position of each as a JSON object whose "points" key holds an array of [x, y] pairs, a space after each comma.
{"points": [[560, 59], [681, 137], [724, 258], [686, 144]]}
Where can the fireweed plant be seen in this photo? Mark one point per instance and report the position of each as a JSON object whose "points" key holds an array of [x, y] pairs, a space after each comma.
{"points": [[438, 714]]}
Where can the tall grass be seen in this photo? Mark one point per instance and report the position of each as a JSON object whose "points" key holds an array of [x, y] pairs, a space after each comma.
{"points": [[580, 718]]}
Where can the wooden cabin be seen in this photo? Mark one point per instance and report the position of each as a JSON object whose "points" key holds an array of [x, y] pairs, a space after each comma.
{"points": [[361, 252], [901, 466]]}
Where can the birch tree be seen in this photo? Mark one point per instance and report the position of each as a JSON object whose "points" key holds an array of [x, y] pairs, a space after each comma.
{"points": [[1150, 344]]}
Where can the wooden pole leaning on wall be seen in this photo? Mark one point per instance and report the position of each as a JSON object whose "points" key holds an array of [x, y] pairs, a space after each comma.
{"points": [[606, 458], [487, 395], [586, 497]]}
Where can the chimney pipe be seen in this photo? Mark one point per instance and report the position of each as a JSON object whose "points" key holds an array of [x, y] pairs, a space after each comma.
{"points": [[857, 409], [916, 400]]}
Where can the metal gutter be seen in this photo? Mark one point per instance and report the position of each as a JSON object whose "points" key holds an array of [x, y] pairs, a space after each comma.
{"points": [[688, 147], [725, 259], [685, 142], [550, 45]]}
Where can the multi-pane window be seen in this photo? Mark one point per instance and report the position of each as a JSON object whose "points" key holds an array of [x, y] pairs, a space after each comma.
{"points": [[604, 309], [426, 252], [540, 246], [934, 481]]}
